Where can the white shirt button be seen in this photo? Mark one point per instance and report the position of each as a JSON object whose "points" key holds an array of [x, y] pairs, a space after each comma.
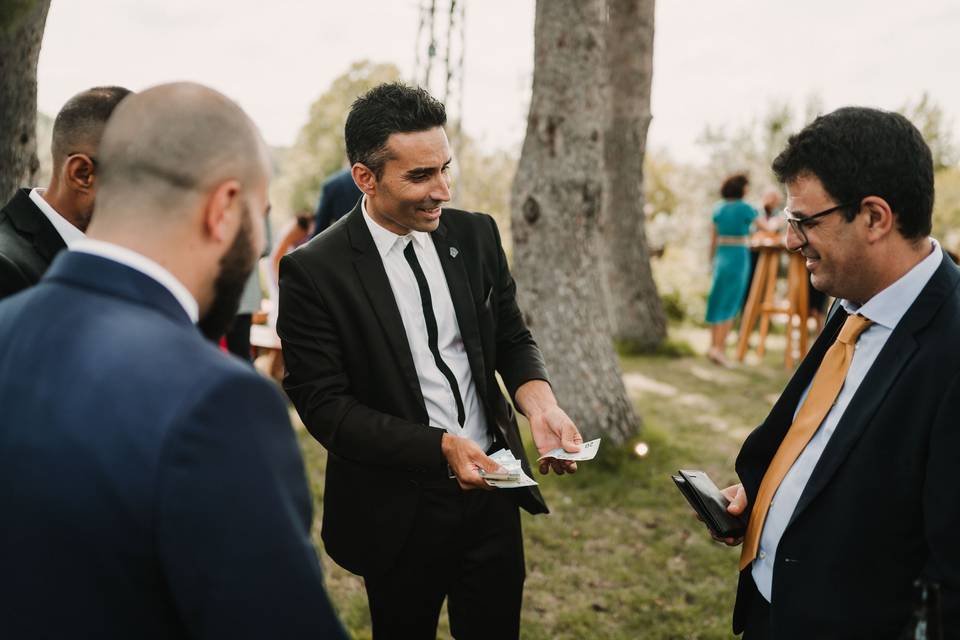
{"points": [[763, 555]]}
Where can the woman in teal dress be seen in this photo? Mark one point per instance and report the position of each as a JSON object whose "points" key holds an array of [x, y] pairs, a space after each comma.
{"points": [[730, 252]]}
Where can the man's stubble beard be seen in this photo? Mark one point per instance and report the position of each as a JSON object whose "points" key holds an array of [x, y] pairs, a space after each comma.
{"points": [[236, 265]]}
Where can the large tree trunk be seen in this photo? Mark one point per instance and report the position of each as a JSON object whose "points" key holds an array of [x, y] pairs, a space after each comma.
{"points": [[556, 200], [636, 314], [21, 31]]}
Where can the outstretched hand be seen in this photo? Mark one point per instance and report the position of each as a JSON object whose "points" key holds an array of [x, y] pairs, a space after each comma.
{"points": [[552, 429], [550, 425]]}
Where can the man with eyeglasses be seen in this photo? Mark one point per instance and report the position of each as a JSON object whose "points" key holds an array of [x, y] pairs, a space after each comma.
{"points": [[38, 223], [849, 485]]}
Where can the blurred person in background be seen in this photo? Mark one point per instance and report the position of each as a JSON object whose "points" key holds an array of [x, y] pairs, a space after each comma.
{"points": [[338, 196], [730, 253], [39, 223], [770, 222], [294, 234]]}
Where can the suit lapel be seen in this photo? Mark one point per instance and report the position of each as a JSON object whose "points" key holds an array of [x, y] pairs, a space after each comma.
{"points": [[29, 220], [761, 445], [455, 271], [895, 354], [375, 283]]}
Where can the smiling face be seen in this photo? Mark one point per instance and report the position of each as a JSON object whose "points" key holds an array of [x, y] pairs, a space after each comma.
{"points": [[835, 251], [414, 185]]}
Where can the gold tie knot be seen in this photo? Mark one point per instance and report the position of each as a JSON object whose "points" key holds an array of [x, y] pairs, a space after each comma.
{"points": [[852, 328]]}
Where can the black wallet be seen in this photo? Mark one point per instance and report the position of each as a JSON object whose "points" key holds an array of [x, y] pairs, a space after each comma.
{"points": [[709, 503]]}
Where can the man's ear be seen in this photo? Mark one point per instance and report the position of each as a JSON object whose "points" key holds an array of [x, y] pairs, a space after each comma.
{"points": [[79, 172], [880, 219], [220, 216], [365, 178]]}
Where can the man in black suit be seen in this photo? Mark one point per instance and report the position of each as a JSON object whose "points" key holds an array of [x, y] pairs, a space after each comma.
{"points": [[151, 486], [393, 324], [850, 483], [38, 223], [338, 196]]}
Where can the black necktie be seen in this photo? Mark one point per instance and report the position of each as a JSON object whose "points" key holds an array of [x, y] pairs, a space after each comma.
{"points": [[431, 322]]}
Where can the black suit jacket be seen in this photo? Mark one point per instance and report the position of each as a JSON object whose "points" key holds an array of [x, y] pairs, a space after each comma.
{"points": [[28, 243], [882, 506], [352, 378]]}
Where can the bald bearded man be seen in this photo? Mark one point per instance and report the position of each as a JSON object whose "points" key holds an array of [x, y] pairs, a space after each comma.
{"points": [[150, 485]]}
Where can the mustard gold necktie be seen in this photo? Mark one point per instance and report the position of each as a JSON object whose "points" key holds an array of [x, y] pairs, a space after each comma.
{"points": [[823, 393]]}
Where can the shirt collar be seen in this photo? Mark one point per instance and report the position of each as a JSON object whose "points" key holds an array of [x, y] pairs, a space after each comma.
{"points": [[144, 265], [889, 306], [67, 231], [386, 239]]}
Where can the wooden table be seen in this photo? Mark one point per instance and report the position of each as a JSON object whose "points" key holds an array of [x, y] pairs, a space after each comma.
{"points": [[762, 303]]}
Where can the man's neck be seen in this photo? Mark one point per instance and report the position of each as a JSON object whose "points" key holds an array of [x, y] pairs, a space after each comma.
{"points": [[54, 196], [899, 261]]}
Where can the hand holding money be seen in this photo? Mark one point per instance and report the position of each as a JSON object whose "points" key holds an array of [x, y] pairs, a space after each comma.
{"points": [[551, 427], [509, 475], [465, 458]]}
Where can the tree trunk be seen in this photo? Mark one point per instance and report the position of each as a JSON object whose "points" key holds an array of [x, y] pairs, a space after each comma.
{"points": [[556, 200], [21, 32], [636, 313]]}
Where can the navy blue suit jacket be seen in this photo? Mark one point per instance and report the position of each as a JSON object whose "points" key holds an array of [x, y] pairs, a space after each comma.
{"points": [[150, 485], [338, 197], [882, 507]]}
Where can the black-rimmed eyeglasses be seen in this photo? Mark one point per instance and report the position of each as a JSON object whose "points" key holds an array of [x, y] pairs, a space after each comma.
{"points": [[797, 224]]}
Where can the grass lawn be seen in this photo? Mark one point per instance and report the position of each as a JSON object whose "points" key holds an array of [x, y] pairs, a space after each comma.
{"points": [[621, 555]]}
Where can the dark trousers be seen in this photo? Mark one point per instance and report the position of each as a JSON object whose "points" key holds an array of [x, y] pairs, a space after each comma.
{"points": [[465, 546], [757, 625], [238, 336]]}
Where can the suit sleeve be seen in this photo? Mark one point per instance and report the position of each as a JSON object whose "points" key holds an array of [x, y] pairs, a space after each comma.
{"points": [[518, 357], [320, 389], [941, 509], [234, 520], [12, 279]]}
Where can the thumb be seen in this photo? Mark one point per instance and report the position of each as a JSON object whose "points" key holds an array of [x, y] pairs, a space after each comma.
{"points": [[570, 438], [485, 463], [739, 502]]}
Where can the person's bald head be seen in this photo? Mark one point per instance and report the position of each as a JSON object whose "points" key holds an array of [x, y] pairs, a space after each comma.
{"points": [[79, 125], [184, 180], [174, 143]]}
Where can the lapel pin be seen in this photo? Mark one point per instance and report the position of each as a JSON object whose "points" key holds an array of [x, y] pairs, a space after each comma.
{"points": [[453, 252]]}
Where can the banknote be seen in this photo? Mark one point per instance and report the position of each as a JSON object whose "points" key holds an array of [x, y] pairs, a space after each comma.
{"points": [[588, 451]]}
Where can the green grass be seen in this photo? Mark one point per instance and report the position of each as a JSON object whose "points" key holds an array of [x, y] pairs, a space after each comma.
{"points": [[621, 555]]}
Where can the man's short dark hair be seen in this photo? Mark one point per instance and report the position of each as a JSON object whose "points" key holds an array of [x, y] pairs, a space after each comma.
{"points": [[392, 107], [734, 186], [857, 152], [80, 123]]}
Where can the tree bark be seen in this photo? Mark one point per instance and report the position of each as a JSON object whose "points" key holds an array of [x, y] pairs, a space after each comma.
{"points": [[556, 200], [21, 32], [636, 313]]}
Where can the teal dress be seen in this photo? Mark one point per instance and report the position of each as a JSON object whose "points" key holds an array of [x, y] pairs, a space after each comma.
{"points": [[731, 264]]}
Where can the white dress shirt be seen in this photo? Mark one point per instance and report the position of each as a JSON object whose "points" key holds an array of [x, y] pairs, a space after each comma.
{"points": [[144, 265], [438, 396], [885, 309], [67, 231]]}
